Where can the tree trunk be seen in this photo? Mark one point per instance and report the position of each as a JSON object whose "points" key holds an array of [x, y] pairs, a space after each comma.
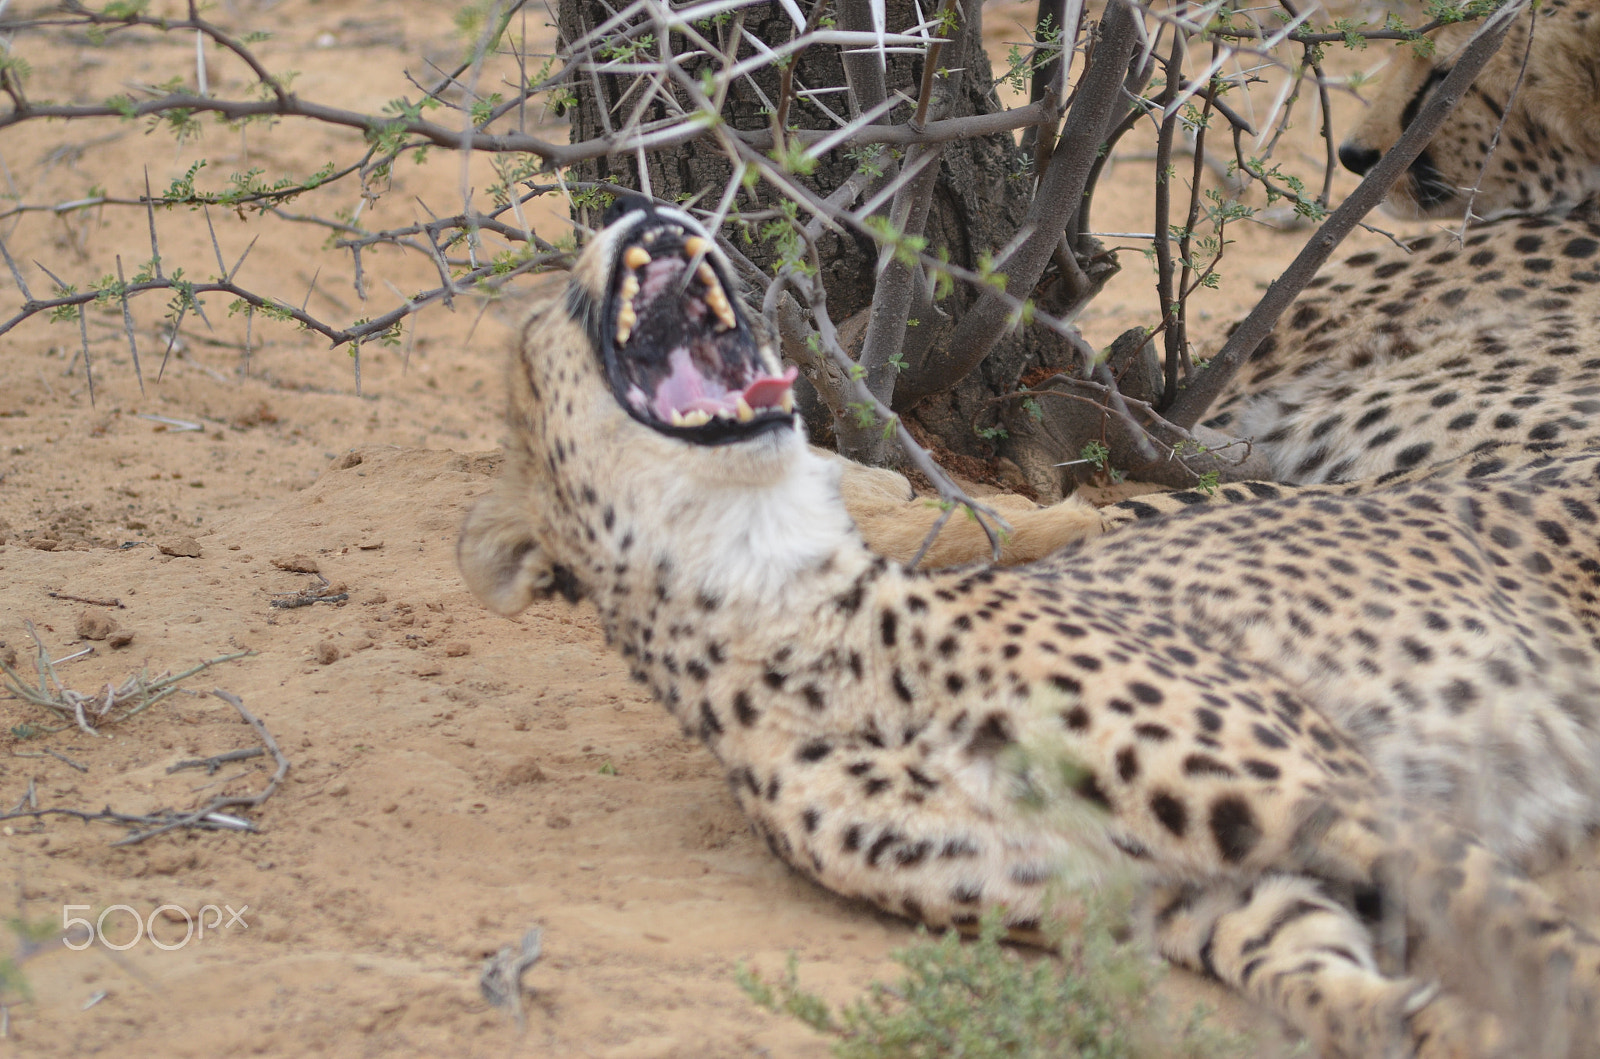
{"points": [[982, 191]]}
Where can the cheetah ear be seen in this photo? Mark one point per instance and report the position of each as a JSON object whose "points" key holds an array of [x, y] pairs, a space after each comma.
{"points": [[502, 563]]}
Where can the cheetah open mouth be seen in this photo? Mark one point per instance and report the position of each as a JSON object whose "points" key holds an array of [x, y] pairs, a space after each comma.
{"points": [[678, 350]]}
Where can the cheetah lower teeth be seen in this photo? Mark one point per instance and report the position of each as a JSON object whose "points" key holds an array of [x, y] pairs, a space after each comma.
{"points": [[786, 402], [717, 298], [697, 418], [743, 410], [636, 257]]}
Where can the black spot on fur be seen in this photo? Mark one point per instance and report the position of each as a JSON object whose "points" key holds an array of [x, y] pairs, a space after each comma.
{"points": [[992, 736], [710, 725], [1206, 765], [1088, 788], [1171, 812], [1262, 770], [1267, 737], [1235, 828]]}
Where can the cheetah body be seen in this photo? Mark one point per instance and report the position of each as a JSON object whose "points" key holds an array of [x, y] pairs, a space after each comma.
{"points": [[1265, 710], [1403, 359], [1415, 355]]}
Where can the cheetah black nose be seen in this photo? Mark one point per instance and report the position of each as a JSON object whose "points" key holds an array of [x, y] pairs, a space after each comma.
{"points": [[623, 205], [1358, 159]]}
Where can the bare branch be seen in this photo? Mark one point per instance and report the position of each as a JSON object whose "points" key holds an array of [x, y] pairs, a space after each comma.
{"points": [[1098, 107]]}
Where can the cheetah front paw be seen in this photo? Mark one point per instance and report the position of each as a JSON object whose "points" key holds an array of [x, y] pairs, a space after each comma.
{"points": [[1441, 1026]]}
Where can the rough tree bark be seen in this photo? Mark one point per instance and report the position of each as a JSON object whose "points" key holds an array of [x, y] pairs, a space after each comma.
{"points": [[982, 193]]}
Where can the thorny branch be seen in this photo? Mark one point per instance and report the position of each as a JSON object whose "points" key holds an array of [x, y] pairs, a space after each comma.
{"points": [[681, 66], [210, 816], [91, 711]]}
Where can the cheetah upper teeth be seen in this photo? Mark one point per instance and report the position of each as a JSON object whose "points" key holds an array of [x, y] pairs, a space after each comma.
{"points": [[695, 246], [636, 257], [717, 298]]}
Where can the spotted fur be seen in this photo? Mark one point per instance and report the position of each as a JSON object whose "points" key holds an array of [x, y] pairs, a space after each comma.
{"points": [[1282, 714]]}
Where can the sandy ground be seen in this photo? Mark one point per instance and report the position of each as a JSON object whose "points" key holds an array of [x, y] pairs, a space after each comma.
{"points": [[456, 777]]}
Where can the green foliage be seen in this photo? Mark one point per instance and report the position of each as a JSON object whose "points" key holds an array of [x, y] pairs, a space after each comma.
{"points": [[622, 49], [244, 189], [16, 66], [125, 8], [784, 235], [792, 157], [907, 248], [1095, 453], [483, 109], [983, 1000], [473, 22], [1020, 66], [869, 158]]}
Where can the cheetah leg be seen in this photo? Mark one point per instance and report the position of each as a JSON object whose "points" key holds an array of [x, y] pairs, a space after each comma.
{"points": [[1489, 933], [1291, 948]]}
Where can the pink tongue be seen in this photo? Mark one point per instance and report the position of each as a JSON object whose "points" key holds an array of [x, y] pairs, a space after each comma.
{"points": [[686, 390], [766, 393]]}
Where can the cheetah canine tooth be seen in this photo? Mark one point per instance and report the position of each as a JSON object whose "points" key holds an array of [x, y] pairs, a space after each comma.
{"points": [[635, 257], [717, 298]]}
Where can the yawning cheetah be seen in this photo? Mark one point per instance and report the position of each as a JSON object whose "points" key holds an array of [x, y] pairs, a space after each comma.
{"points": [[1277, 713]]}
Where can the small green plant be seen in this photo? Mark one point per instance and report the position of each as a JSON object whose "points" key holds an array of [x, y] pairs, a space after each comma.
{"points": [[1095, 453], [981, 999]]}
